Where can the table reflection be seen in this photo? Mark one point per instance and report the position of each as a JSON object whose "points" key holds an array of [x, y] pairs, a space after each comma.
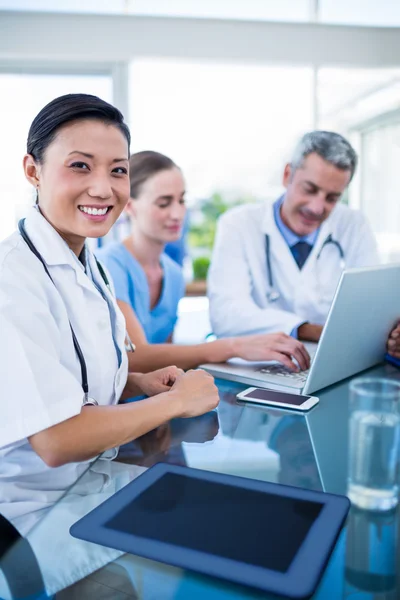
{"points": [[372, 553], [164, 444]]}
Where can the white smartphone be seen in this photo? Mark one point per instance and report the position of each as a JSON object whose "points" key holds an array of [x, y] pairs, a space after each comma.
{"points": [[278, 399]]}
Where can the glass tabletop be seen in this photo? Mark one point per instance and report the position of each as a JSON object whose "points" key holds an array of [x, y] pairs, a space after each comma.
{"points": [[305, 450]]}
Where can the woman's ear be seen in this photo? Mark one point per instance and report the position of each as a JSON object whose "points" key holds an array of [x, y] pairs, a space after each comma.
{"points": [[31, 170], [130, 207]]}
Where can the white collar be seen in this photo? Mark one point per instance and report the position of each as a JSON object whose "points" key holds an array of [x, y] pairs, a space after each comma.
{"points": [[49, 243], [269, 225], [55, 251]]}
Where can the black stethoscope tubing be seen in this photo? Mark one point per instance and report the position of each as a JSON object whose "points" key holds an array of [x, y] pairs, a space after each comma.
{"points": [[330, 240], [78, 349], [268, 254], [275, 295]]}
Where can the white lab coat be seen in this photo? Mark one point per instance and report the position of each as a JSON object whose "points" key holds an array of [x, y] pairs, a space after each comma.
{"points": [[238, 281], [40, 374]]}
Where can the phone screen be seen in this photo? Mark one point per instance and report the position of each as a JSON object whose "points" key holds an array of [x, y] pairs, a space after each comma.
{"points": [[278, 397]]}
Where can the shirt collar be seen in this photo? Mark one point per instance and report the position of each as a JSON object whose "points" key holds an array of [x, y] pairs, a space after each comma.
{"points": [[53, 249], [288, 235]]}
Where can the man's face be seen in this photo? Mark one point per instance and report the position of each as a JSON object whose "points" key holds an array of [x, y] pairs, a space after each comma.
{"points": [[312, 192]]}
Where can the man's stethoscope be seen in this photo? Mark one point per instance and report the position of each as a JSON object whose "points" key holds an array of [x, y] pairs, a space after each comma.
{"points": [[129, 346], [273, 295]]}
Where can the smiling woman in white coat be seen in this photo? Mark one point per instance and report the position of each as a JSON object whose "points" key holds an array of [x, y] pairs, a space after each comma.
{"points": [[63, 362], [276, 266]]}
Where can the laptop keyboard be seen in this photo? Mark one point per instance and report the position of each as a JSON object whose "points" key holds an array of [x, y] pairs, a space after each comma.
{"points": [[285, 372]]}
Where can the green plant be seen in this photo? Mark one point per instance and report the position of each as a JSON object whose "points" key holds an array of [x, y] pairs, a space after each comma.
{"points": [[200, 267], [202, 234]]}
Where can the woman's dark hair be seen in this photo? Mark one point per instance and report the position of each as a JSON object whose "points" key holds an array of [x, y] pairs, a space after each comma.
{"points": [[145, 164], [66, 109]]}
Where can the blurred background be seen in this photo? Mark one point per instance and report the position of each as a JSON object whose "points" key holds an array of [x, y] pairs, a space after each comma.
{"points": [[223, 87]]}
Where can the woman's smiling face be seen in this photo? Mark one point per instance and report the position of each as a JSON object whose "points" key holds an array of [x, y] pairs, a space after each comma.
{"points": [[83, 180], [159, 209]]}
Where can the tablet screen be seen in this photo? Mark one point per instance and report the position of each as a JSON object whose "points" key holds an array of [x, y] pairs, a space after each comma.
{"points": [[245, 525]]}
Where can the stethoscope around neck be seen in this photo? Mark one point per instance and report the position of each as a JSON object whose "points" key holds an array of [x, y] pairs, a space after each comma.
{"points": [[273, 295], [130, 347]]}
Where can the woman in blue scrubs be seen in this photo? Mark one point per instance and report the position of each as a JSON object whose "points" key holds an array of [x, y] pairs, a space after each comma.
{"points": [[149, 284], [155, 306]]}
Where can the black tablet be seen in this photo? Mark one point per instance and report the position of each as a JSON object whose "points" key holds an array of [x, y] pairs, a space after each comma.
{"points": [[273, 537]]}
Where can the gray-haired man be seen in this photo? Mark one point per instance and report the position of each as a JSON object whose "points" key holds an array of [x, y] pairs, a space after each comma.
{"points": [[276, 265]]}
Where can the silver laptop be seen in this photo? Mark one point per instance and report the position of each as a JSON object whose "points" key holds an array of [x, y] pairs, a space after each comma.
{"points": [[363, 312]]}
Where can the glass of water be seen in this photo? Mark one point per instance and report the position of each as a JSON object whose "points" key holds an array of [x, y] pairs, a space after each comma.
{"points": [[374, 443]]}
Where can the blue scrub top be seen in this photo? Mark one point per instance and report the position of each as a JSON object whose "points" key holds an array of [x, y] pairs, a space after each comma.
{"points": [[131, 286]]}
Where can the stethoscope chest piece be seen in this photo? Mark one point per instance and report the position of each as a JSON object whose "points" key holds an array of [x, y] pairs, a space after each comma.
{"points": [[88, 401]]}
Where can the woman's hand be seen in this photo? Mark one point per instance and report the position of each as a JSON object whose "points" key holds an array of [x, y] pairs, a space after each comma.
{"points": [[195, 392], [275, 346], [393, 345], [157, 382]]}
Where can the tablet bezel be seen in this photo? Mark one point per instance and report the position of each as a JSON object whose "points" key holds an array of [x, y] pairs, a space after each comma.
{"points": [[299, 581]]}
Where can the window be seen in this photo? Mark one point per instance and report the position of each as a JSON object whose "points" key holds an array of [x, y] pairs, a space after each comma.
{"points": [[284, 10], [21, 98], [230, 127], [362, 104], [380, 185], [360, 12]]}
